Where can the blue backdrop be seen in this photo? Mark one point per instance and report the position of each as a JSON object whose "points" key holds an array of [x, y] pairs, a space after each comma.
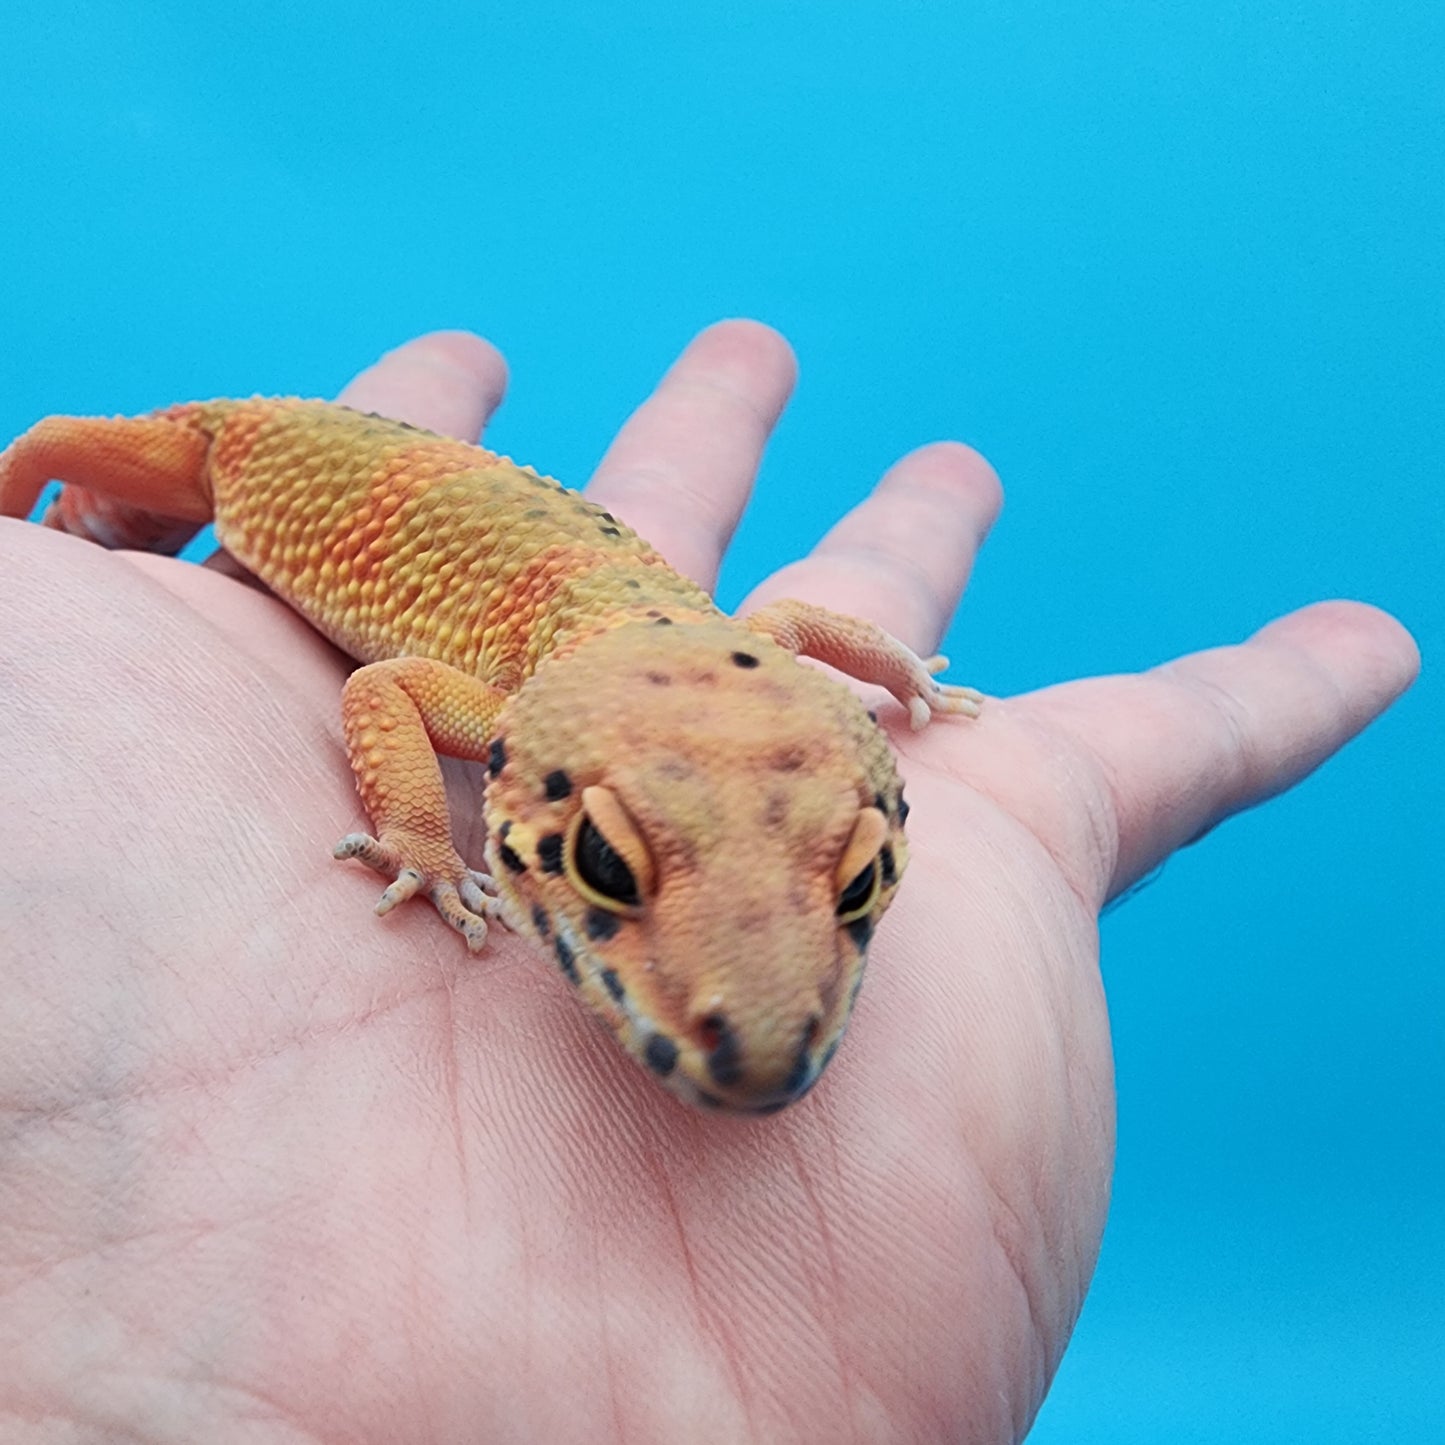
{"points": [[1177, 270]]}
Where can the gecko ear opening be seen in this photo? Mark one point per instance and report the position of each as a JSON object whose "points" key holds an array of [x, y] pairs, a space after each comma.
{"points": [[607, 861], [857, 878]]}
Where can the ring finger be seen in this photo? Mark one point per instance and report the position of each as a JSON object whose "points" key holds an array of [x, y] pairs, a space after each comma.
{"points": [[901, 558]]}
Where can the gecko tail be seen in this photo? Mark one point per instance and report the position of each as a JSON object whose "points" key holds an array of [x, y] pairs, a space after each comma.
{"points": [[129, 481]]}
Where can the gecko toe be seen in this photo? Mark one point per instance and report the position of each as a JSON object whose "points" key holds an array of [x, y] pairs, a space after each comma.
{"points": [[365, 849], [957, 699], [472, 926], [472, 890], [406, 885]]}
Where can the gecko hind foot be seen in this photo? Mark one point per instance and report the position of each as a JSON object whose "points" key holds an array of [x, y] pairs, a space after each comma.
{"points": [[460, 894]]}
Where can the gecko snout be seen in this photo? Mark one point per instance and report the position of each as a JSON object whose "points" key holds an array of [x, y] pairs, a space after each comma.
{"points": [[758, 1070]]}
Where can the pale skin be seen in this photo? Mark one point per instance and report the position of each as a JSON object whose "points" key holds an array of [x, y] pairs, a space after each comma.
{"points": [[274, 1170]]}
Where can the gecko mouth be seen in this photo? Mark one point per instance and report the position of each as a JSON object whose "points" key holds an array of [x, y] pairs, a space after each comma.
{"points": [[715, 1064], [721, 1084]]}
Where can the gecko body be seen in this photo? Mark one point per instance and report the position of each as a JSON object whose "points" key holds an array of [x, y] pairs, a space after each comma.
{"points": [[700, 833]]}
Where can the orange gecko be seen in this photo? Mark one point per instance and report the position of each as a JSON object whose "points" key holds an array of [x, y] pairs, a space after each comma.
{"points": [[701, 832]]}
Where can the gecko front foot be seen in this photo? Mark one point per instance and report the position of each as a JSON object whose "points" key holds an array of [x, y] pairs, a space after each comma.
{"points": [[929, 697], [865, 651], [460, 894]]}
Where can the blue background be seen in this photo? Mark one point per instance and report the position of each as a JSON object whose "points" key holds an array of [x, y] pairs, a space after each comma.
{"points": [[1176, 270]]}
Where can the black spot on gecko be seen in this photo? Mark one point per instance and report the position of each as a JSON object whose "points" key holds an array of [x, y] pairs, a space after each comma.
{"points": [[902, 807], [860, 930], [725, 1055], [881, 803], [549, 852], [663, 622], [872, 716], [607, 516], [888, 866], [557, 785], [512, 859], [377, 416], [496, 757], [661, 1055], [798, 1077], [566, 960], [745, 659], [659, 679], [610, 532], [633, 583], [601, 925], [541, 922], [613, 985]]}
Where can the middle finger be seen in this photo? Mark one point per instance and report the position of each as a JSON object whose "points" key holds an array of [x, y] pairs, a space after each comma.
{"points": [[682, 467]]}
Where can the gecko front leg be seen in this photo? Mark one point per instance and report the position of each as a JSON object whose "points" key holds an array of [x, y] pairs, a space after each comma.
{"points": [[397, 716], [865, 651]]}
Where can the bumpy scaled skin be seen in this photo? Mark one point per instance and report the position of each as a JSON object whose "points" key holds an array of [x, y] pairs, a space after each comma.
{"points": [[701, 833]]}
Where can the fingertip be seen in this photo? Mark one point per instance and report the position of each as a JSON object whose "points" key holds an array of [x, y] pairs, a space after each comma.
{"points": [[445, 381], [1374, 653], [464, 350], [963, 478], [903, 556], [748, 356]]}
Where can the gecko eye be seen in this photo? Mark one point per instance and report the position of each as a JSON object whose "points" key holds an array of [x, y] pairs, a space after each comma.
{"points": [[860, 895], [606, 859], [857, 877], [600, 867]]}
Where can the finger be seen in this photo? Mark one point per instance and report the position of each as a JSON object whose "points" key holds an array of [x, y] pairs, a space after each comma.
{"points": [[448, 382], [1183, 747], [902, 557], [682, 467]]}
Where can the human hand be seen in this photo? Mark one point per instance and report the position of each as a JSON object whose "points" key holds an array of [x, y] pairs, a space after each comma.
{"points": [[277, 1170]]}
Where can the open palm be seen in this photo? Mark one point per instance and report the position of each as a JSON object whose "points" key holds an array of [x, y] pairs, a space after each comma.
{"points": [[274, 1170]]}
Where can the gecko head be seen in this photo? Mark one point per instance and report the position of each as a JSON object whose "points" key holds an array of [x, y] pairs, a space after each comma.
{"points": [[702, 833]]}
